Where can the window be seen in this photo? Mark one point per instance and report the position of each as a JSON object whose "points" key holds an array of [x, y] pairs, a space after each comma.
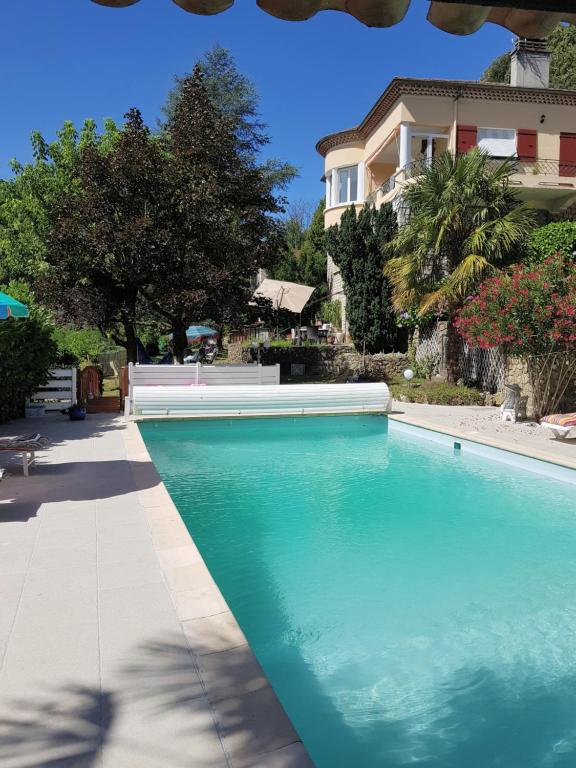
{"points": [[498, 142], [347, 184]]}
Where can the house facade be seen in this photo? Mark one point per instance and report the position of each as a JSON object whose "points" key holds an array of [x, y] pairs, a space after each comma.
{"points": [[417, 119]]}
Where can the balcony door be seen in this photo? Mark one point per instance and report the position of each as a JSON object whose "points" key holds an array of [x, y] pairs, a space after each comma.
{"points": [[427, 146]]}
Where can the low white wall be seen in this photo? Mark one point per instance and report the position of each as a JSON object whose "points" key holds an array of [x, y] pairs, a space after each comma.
{"points": [[155, 376], [60, 389]]}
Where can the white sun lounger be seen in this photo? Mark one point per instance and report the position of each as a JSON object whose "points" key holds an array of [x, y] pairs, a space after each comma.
{"points": [[561, 424], [27, 445]]}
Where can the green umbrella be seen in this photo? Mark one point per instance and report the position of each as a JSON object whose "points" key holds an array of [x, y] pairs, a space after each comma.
{"points": [[9, 307]]}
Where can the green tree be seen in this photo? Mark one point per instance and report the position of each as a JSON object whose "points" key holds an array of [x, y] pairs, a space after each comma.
{"points": [[103, 239], [27, 350], [464, 222], [28, 198], [235, 96], [562, 43], [358, 245], [304, 257], [223, 226]]}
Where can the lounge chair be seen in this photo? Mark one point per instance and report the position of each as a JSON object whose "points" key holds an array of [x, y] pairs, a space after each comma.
{"points": [[27, 445], [559, 423]]}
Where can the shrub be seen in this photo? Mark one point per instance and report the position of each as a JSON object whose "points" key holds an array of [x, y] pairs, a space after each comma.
{"points": [[427, 365], [78, 345], [436, 393], [557, 237], [27, 350], [530, 313], [331, 312]]}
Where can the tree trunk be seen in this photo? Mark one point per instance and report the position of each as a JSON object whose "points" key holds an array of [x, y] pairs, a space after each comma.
{"points": [[130, 333], [179, 342], [452, 353]]}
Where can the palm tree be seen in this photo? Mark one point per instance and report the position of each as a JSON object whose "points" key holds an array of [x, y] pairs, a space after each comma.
{"points": [[464, 221]]}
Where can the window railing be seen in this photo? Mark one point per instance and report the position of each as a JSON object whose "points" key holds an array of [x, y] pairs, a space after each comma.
{"points": [[519, 167], [538, 167]]}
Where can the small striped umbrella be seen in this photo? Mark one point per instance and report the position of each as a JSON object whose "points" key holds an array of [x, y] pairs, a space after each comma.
{"points": [[9, 307]]}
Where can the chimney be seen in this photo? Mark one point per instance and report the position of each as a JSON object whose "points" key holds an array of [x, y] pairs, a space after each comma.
{"points": [[530, 64]]}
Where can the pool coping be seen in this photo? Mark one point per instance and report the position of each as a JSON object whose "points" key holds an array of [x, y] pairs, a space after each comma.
{"points": [[211, 630], [476, 437]]}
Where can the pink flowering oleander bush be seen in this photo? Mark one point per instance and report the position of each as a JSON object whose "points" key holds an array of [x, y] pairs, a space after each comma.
{"points": [[529, 313]]}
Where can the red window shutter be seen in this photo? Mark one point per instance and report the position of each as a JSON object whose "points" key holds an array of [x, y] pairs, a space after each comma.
{"points": [[465, 138], [568, 154], [526, 144]]}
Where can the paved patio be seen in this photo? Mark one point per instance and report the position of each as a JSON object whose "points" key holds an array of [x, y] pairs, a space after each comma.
{"points": [[117, 649]]}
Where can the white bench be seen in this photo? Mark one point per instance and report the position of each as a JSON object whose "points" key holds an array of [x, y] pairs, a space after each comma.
{"points": [[250, 400]]}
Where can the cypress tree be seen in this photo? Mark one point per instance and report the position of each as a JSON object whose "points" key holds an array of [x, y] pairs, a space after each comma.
{"points": [[358, 247]]}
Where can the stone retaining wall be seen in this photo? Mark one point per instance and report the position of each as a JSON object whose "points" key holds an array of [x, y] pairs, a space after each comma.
{"points": [[324, 360]]}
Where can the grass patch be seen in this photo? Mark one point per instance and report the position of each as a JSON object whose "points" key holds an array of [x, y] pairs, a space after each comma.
{"points": [[434, 393], [110, 387]]}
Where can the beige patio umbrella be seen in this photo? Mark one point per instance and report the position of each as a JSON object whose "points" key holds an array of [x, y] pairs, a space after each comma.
{"points": [[284, 295], [526, 18]]}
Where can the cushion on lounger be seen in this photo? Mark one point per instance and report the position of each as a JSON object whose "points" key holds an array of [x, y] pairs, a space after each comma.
{"points": [[561, 419], [24, 443]]}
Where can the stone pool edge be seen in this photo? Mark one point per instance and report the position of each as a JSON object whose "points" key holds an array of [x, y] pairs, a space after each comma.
{"points": [[212, 632], [475, 437]]}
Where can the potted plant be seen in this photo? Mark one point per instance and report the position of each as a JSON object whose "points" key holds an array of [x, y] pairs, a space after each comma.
{"points": [[77, 411]]}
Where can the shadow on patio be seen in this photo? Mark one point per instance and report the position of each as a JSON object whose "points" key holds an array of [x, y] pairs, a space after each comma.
{"points": [[74, 481]]}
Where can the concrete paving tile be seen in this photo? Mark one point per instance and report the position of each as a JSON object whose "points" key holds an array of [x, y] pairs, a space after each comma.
{"points": [[231, 673], [253, 724], [137, 530], [56, 726], [211, 634], [113, 551], [181, 736], [17, 531], [175, 557], [15, 557], [124, 511], [188, 576], [292, 756], [202, 599], [57, 653], [10, 591], [78, 584], [164, 512], [169, 533], [65, 515], [197, 603], [154, 496], [69, 537], [132, 574], [61, 556], [158, 675], [132, 617]]}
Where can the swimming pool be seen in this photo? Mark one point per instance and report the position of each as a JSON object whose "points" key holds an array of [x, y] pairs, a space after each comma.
{"points": [[410, 603]]}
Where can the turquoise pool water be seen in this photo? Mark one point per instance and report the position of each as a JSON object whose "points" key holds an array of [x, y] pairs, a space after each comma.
{"points": [[411, 606]]}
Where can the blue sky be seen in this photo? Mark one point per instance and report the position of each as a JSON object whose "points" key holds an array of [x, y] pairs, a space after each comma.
{"points": [[72, 59]]}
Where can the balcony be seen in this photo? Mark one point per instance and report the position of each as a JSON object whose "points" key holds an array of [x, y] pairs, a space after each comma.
{"points": [[550, 184]]}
